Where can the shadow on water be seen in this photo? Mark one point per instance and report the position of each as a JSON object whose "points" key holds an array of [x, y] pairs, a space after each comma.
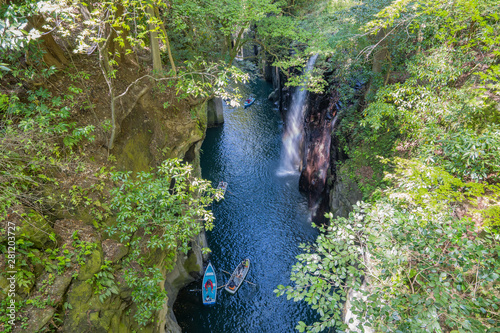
{"points": [[263, 217]]}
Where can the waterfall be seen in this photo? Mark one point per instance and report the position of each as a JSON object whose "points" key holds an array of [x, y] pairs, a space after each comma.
{"points": [[291, 160]]}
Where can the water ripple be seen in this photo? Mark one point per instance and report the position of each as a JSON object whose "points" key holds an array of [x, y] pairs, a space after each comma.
{"points": [[263, 217]]}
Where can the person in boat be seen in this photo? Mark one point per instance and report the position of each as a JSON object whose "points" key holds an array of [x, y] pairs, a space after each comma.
{"points": [[240, 272], [210, 285], [231, 285], [207, 299]]}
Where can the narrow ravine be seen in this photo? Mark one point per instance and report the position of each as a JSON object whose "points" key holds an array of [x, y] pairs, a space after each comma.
{"points": [[263, 217]]}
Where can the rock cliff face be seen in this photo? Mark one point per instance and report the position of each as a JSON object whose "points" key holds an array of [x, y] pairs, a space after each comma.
{"points": [[281, 94], [86, 312], [320, 113], [326, 183], [344, 193], [65, 299], [149, 134], [215, 112]]}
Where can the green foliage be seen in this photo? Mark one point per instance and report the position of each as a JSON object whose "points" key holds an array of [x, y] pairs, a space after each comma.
{"points": [[93, 198], [4, 312], [161, 211], [442, 111], [418, 266], [148, 293], [312, 80], [40, 144], [104, 282], [409, 257], [25, 277], [202, 79], [13, 21], [418, 261], [171, 200], [192, 23], [456, 133], [82, 248], [29, 146], [328, 28], [58, 260]]}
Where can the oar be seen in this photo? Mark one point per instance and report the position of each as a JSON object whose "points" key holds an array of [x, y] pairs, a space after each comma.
{"points": [[243, 280]]}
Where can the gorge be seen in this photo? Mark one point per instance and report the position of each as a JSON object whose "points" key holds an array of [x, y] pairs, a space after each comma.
{"points": [[263, 217], [363, 180]]}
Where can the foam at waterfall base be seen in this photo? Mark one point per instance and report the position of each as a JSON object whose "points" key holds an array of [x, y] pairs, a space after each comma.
{"points": [[287, 172]]}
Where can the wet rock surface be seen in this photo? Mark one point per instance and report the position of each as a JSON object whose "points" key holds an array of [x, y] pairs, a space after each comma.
{"points": [[320, 111]]}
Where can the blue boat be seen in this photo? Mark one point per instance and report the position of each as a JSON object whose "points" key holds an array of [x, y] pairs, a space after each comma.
{"points": [[209, 286], [249, 101]]}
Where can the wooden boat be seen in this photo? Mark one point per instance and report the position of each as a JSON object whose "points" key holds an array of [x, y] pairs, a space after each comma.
{"points": [[222, 186], [238, 277], [209, 286], [249, 101]]}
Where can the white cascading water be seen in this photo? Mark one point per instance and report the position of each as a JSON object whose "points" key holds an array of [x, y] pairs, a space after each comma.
{"points": [[292, 138]]}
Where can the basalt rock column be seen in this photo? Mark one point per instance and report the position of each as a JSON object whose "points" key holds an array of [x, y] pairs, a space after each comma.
{"points": [[320, 116], [215, 112]]}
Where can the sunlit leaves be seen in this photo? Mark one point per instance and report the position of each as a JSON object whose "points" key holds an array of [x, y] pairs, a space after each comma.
{"points": [[452, 125], [418, 261], [202, 79], [162, 211]]}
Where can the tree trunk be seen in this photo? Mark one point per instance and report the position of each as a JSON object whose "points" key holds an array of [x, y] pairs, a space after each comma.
{"points": [[236, 46], [379, 56], [106, 71], [166, 41], [53, 54], [155, 46]]}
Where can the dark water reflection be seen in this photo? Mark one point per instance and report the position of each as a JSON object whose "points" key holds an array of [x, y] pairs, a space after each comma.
{"points": [[263, 217]]}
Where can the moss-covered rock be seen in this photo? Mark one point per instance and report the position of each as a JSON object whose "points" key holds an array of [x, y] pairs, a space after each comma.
{"points": [[53, 285], [147, 133], [92, 265], [37, 229], [37, 319], [86, 313], [133, 156], [215, 112], [344, 194], [191, 264], [188, 134], [4, 286], [151, 133]]}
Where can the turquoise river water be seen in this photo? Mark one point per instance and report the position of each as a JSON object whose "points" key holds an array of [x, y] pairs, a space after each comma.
{"points": [[263, 217]]}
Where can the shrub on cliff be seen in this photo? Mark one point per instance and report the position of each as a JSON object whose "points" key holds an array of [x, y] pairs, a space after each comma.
{"points": [[417, 266], [158, 212]]}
